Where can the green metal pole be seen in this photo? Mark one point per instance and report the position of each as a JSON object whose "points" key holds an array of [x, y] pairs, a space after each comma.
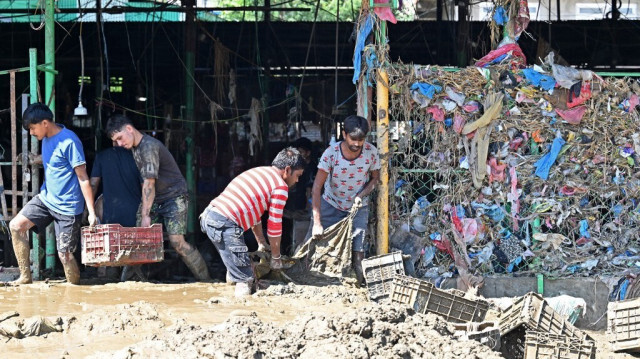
{"points": [[49, 83], [190, 65], [33, 92], [49, 54]]}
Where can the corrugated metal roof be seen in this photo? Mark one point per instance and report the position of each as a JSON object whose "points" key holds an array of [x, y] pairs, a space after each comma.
{"points": [[144, 16]]}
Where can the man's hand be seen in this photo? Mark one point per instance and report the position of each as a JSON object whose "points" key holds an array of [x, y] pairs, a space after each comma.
{"points": [[264, 247], [93, 220], [357, 202], [276, 263], [316, 232], [145, 221]]}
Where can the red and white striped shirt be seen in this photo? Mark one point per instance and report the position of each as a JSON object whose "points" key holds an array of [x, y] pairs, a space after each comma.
{"points": [[252, 193]]}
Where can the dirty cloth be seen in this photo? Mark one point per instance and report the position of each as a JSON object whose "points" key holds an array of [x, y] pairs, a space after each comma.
{"points": [[331, 254], [31, 327]]}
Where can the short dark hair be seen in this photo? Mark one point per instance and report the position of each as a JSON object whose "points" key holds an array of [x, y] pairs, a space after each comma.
{"points": [[36, 113], [356, 127], [303, 143], [289, 157], [116, 123]]}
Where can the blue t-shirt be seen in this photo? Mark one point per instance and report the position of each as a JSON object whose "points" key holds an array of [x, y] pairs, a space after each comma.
{"points": [[60, 191], [121, 185]]}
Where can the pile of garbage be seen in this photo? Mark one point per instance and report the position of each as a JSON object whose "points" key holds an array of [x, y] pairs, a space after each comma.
{"points": [[503, 167], [525, 169]]}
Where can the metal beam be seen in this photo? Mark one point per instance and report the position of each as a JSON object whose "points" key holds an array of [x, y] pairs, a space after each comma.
{"points": [[129, 9]]}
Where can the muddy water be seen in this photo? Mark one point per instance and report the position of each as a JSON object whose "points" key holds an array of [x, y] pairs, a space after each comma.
{"points": [[194, 303]]}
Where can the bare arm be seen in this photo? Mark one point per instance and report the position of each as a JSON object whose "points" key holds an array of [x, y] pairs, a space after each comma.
{"points": [[87, 193], [316, 196], [148, 195], [259, 234], [371, 185], [95, 183]]}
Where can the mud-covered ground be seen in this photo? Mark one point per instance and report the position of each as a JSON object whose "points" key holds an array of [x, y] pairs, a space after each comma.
{"points": [[205, 320]]}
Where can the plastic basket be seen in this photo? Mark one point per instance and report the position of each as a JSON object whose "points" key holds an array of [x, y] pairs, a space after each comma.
{"points": [[424, 297], [114, 245], [379, 272], [539, 345], [533, 312], [623, 325]]}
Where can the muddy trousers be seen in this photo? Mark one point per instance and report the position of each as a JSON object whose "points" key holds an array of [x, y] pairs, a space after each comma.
{"points": [[228, 239]]}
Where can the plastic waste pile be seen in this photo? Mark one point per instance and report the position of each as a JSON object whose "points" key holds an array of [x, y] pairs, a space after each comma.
{"points": [[530, 168]]}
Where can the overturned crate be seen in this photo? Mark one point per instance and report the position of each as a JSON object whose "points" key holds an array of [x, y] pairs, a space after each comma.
{"points": [[379, 272], [424, 297], [115, 245], [538, 345], [533, 312], [486, 333], [623, 325]]}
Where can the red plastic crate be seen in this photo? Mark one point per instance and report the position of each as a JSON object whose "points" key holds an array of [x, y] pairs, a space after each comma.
{"points": [[115, 245]]}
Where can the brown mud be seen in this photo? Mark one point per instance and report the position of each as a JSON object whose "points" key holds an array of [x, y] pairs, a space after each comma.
{"points": [[205, 320]]}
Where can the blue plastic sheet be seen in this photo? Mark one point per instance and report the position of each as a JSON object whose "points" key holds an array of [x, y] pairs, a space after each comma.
{"points": [[363, 33], [546, 82], [426, 89], [545, 162], [500, 16], [584, 229]]}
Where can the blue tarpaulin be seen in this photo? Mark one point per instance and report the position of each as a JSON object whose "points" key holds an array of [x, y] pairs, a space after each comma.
{"points": [[545, 162]]}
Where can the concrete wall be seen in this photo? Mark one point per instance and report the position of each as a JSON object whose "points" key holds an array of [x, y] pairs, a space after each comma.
{"points": [[593, 290]]}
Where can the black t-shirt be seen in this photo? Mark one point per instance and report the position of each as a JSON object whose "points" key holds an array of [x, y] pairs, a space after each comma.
{"points": [[121, 185], [298, 194], [155, 161]]}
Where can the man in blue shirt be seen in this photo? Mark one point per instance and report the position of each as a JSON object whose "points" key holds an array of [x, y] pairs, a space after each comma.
{"points": [[62, 195]]}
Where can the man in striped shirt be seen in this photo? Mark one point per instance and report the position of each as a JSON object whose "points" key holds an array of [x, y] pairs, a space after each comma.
{"points": [[240, 207]]}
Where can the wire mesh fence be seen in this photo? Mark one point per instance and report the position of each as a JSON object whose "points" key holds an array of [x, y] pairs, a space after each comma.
{"points": [[504, 217]]}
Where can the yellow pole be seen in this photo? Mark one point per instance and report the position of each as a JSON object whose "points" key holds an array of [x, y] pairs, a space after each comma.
{"points": [[382, 130]]}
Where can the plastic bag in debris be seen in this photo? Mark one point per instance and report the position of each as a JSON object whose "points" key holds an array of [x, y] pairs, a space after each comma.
{"points": [[408, 243], [574, 115], [34, 326], [567, 76], [422, 92], [571, 308], [543, 165], [500, 16], [546, 82], [493, 210], [384, 12], [456, 97], [510, 51]]}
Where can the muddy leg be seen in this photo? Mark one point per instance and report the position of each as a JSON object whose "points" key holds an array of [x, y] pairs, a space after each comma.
{"points": [[191, 257], [19, 227], [357, 266], [70, 265]]}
